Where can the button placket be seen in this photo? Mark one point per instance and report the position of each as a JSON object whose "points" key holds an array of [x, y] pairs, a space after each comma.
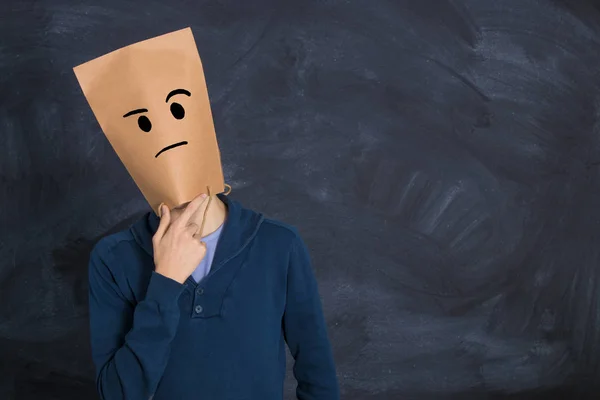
{"points": [[198, 309]]}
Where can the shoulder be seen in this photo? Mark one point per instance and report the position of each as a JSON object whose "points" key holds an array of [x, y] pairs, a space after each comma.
{"points": [[116, 246], [113, 261], [279, 231], [113, 243], [284, 236]]}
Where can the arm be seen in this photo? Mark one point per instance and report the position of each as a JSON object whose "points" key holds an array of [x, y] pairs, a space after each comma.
{"points": [[130, 344], [306, 333]]}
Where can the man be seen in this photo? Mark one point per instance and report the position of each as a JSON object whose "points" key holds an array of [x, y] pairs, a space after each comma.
{"points": [[199, 301]]}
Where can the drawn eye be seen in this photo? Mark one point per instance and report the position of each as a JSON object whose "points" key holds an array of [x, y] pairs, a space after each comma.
{"points": [[177, 111], [144, 123]]}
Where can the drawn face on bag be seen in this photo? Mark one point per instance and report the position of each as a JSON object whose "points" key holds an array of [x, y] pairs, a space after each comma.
{"points": [[151, 101]]}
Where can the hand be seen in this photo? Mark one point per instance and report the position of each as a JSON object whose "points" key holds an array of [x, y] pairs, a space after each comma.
{"points": [[177, 249]]}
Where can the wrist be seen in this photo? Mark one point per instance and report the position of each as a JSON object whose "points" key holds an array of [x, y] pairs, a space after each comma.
{"points": [[163, 289], [178, 279]]}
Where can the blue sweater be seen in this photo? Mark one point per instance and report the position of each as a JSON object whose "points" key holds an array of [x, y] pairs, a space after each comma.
{"points": [[218, 340]]}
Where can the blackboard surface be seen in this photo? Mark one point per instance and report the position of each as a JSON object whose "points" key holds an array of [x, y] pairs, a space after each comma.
{"points": [[440, 157]]}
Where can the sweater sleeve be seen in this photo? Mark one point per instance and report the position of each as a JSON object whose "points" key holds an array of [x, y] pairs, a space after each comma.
{"points": [[130, 343], [306, 332]]}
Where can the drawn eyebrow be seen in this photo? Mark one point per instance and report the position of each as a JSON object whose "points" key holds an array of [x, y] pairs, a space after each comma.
{"points": [[139, 110], [177, 91]]}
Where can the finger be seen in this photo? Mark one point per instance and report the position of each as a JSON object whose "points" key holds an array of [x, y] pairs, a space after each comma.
{"points": [[202, 245], [164, 222], [191, 229], [192, 207], [203, 220]]}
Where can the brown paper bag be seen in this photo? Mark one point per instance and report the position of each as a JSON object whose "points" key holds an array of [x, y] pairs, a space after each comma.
{"points": [[151, 101]]}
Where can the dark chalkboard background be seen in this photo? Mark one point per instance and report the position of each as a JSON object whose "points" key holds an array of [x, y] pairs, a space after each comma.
{"points": [[440, 157]]}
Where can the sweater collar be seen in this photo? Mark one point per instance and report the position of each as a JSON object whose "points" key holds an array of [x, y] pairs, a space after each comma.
{"points": [[240, 226]]}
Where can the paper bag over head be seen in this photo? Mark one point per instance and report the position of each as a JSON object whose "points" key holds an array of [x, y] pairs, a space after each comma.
{"points": [[151, 101]]}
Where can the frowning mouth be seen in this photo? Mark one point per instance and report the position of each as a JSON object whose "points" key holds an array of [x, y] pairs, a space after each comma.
{"points": [[170, 147]]}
